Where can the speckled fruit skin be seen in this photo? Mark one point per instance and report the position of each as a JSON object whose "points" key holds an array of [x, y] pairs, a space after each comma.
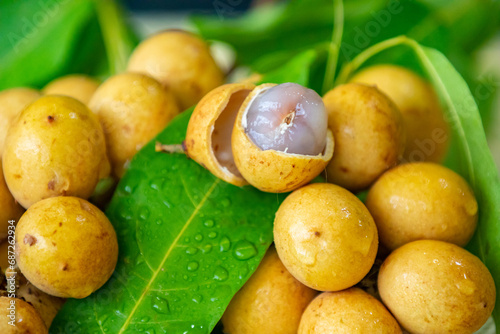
{"points": [[27, 320], [422, 201], [9, 209], [369, 135], [325, 237], [436, 287], [133, 109], [272, 299], [270, 170], [181, 61], [78, 86], [55, 147], [427, 131], [348, 311], [200, 131], [66, 247], [12, 102]]}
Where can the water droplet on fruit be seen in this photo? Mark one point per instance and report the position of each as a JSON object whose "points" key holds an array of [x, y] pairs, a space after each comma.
{"points": [[150, 331], [159, 222], [225, 244], [209, 223], [160, 305], [193, 266], [198, 237], [466, 286], [145, 319], [212, 235], [220, 274], [244, 250], [191, 250]]}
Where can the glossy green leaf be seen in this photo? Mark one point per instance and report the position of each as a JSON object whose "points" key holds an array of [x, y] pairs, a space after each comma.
{"points": [[188, 242]]}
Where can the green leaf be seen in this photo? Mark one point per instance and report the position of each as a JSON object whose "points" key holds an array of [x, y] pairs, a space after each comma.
{"points": [[292, 27], [298, 70], [38, 39], [118, 38], [188, 242], [44, 39]]}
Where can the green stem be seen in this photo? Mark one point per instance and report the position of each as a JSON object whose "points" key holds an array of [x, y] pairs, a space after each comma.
{"points": [[116, 37], [360, 59], [333, 51]]}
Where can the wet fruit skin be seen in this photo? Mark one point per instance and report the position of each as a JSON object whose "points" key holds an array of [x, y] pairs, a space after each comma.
{"points": [[12, 102], [133, 108], [78, 86], [347, 311], [273, 170], [66, 247], [181, 61], [436, 287], [272, 298], [422, 201], [9, 208], [27, 320], [325, 237], [369, 135], [55, 147], [426, 128]]}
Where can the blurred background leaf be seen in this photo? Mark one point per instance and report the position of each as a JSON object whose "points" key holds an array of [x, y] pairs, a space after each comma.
{"points": [[45, 39], [267, 37]]}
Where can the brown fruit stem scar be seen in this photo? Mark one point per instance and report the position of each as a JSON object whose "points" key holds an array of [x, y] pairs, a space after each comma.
{"points": [[289, 118], [176, 148], [287, 121]]}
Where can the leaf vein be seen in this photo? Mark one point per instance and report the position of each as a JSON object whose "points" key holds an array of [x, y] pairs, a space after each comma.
{"points": [[156, 272]]}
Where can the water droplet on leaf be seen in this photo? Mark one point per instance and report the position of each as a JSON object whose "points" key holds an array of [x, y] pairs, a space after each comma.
{"points": [[160, 305], [206, 249], [193, 266], [220, 274], [225, 244], [197, 299], [209, 223], [225, 202], [244, 250]]}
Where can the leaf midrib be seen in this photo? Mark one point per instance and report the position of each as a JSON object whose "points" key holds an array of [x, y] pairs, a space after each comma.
{"points": [[167, 254]]}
